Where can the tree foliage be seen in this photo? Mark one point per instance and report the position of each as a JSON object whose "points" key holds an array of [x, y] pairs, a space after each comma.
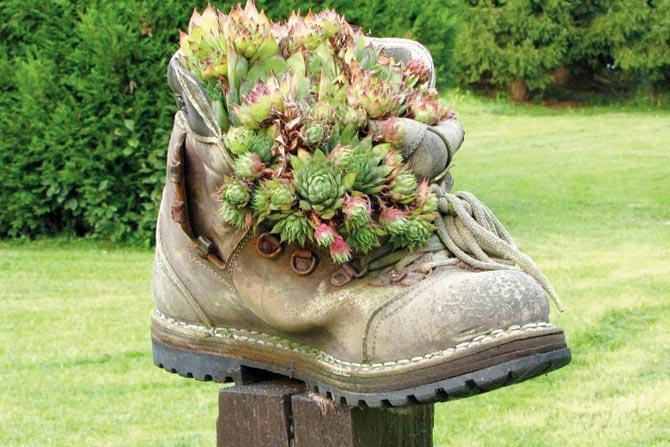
{"points": [[624, 42]]}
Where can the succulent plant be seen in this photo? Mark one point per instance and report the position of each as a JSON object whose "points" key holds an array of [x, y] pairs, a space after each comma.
{"points": [[257, 105], [357, 212], [328, 21], [238, 139], [394, 160], [319, 184], [314, 134], [426, 107], [234, 196], [365, 238], [402, 189], [293, 227], [296, 101], [393, 220], [354, 116], [365, 163], [233, 215], [313, 30], [250, 32], [249, 166], [378, 97], [324, 234], [203, 48], [235, 192], [340, 250], [426, 202], [274, 195], [415, 233], [419, 71]]}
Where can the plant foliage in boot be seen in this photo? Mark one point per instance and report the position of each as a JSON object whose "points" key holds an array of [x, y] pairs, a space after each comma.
{"points": [[297, 97]]}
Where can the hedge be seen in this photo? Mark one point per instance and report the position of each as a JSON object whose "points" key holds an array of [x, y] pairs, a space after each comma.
{"points": [[616, 46], [85, 111]]}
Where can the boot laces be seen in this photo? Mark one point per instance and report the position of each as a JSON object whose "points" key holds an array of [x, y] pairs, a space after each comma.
{"points": [[467, 232]]}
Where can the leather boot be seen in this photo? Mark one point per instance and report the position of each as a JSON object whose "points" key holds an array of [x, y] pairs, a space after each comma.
{"points": [[391, 329]]}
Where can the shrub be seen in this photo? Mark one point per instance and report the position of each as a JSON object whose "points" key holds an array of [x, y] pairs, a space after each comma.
{"points": [[85, 111], [515, 41], [519, 43], [622, 44]]}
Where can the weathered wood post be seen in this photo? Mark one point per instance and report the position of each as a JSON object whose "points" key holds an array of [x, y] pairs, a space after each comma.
{"points": [[281, 413]]}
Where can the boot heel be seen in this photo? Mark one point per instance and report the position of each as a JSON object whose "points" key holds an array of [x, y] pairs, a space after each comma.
{"points": [[205, 366]]}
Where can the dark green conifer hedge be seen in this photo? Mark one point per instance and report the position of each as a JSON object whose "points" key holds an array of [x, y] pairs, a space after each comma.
{"points": [[616, 46]]}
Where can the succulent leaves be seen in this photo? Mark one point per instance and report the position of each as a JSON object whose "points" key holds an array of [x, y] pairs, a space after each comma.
{"points": [[319, 184], [295, 99]]}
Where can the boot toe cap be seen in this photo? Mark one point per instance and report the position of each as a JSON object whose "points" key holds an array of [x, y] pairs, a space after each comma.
{"points": [[451, 307]]}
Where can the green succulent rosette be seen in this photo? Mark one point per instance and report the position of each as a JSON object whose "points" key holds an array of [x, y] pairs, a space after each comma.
{"points": [[402, 188], [319, 183], [241, 140], [293, 227], [364, 162], [365, 238], [273, 196], [234, 196]]}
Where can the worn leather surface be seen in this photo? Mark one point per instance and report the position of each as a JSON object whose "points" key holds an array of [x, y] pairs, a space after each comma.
{"points": [[355, 322]]}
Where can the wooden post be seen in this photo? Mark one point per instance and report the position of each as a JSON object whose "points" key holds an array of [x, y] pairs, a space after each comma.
{"points": [[257, 415], [278, 413], [319, 422]]}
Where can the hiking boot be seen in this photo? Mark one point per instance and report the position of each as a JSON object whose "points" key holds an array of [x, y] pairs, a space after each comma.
{"points": [[465, 314]]}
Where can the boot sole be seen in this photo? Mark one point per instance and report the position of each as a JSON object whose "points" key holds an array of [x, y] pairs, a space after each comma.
{"points": [[503, 362]]}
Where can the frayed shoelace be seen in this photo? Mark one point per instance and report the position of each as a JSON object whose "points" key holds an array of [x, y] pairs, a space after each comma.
{"points": [[467, 231]]}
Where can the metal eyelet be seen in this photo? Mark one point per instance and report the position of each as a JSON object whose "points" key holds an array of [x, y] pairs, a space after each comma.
{"points": [[303, 262], [345, 274], [340, 278], [268, 245], [205, 246]]}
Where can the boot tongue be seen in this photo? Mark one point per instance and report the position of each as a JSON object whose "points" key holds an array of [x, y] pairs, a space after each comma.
{"points": [[428, 150]]}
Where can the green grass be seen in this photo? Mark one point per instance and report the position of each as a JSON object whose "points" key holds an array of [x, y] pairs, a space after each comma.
{"points": [[585, 192]]}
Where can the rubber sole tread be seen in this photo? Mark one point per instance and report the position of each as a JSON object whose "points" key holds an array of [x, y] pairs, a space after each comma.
{"points": [[208, 367]]}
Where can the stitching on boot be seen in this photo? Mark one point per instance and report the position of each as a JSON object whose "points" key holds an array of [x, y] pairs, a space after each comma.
{"points": [[195, 258], [231, 263], [281, 343], [369, 342]]}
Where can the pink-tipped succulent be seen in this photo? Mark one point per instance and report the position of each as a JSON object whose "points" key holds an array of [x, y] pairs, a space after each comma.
{"points": [[249, 166], [393, 220], [418, 70], [394, 160], [203, 48], [329, 21], [425, 106], [378, 97], [357, 212], [402, 188], [251, 32], [257, 105], [325, 235], [340, 250]]}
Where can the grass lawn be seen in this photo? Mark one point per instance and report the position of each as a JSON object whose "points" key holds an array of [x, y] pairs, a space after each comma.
{"points": [[586, 193]]}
